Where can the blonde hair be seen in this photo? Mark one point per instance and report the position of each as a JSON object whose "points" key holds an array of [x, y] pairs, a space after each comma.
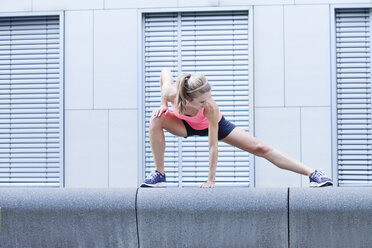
{"points": [[190, 86]]}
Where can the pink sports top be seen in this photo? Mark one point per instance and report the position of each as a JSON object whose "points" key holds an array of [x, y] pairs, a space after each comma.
{"points": [[198, 122]]}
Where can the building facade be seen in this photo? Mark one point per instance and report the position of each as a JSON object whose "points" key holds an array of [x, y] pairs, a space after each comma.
{"points": [[79, 80]]}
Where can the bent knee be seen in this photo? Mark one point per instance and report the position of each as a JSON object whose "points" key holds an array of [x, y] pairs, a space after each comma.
{"points": [[261, 149], [156, 122]]}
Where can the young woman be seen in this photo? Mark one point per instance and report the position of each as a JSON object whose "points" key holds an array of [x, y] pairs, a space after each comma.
{"points": [[196, 113]]}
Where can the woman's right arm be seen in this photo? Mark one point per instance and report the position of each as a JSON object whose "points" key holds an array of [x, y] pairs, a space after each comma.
{"points": [[168, 92]]}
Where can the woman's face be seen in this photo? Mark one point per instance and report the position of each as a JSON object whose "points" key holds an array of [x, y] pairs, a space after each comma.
{"points": [[200, 101]]}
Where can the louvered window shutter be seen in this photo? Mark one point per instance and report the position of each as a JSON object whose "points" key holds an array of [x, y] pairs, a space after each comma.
{"points": [[161, 48], [31, 107], [353, 79], [215, 44]]}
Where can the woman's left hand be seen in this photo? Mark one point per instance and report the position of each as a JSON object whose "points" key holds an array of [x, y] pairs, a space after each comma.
{"points": [[207, 185]]}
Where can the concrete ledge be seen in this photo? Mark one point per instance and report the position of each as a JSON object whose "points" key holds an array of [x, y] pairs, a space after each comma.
{"points": [[68, 218], [189, 217], [220, 217], [330, 217]]}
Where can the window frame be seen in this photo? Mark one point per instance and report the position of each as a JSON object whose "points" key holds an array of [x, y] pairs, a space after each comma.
{"points": [[141, 83], [61, 15], [334, 155]]}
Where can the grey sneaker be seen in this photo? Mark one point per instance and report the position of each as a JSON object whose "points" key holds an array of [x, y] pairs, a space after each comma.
{"points": [[319, 179]]}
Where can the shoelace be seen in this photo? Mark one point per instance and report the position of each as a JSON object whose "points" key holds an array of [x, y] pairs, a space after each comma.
{"points": [[151, 175], [318, 174]]}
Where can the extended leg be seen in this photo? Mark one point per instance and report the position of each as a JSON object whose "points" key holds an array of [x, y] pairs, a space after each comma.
{"points": [[243, 140]]}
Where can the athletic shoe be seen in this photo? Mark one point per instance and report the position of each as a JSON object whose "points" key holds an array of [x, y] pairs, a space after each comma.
{"points": [[319, 179], [155, 179]]}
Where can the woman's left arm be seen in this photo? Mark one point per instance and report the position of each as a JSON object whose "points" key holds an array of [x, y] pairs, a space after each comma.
{"points": [[212, 112]]}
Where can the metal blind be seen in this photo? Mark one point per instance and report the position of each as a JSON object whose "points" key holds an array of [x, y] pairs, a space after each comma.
{"points": [[215, 44], [353, 79], [31, 110], [161, 49]]}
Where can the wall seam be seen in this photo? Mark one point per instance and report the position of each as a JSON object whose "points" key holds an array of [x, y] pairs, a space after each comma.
{"points": [[93, 15], [284, 103], [108, 148], [301, 143], [289, 107], [115, 108]]}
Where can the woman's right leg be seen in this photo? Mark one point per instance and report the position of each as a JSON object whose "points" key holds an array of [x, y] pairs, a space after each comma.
{"points": [[173, 125]]}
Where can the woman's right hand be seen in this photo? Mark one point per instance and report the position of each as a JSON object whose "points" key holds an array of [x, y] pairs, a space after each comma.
{"points": [[158, 112]]}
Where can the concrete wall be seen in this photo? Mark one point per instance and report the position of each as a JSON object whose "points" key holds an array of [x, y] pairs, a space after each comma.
{"points": [[240, 217], [291, 81], [68, 218]]}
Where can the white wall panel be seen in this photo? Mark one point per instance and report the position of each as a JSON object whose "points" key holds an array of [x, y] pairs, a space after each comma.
{"points": [[279, 128], [19, 5], [111, 4], [190, 3], [316, 139], [268, 56], [307, 55], [86, 154], [115, 59], [66, 4], [330, 1], [123, 144], [79, 60], [254, 2]]}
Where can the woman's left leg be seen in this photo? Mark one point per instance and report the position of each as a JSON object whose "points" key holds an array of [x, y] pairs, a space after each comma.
{"points": [[245, 141]]}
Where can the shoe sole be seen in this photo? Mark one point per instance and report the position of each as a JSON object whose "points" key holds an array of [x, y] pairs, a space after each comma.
{"points": [[325, 184], [158, 185]]}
